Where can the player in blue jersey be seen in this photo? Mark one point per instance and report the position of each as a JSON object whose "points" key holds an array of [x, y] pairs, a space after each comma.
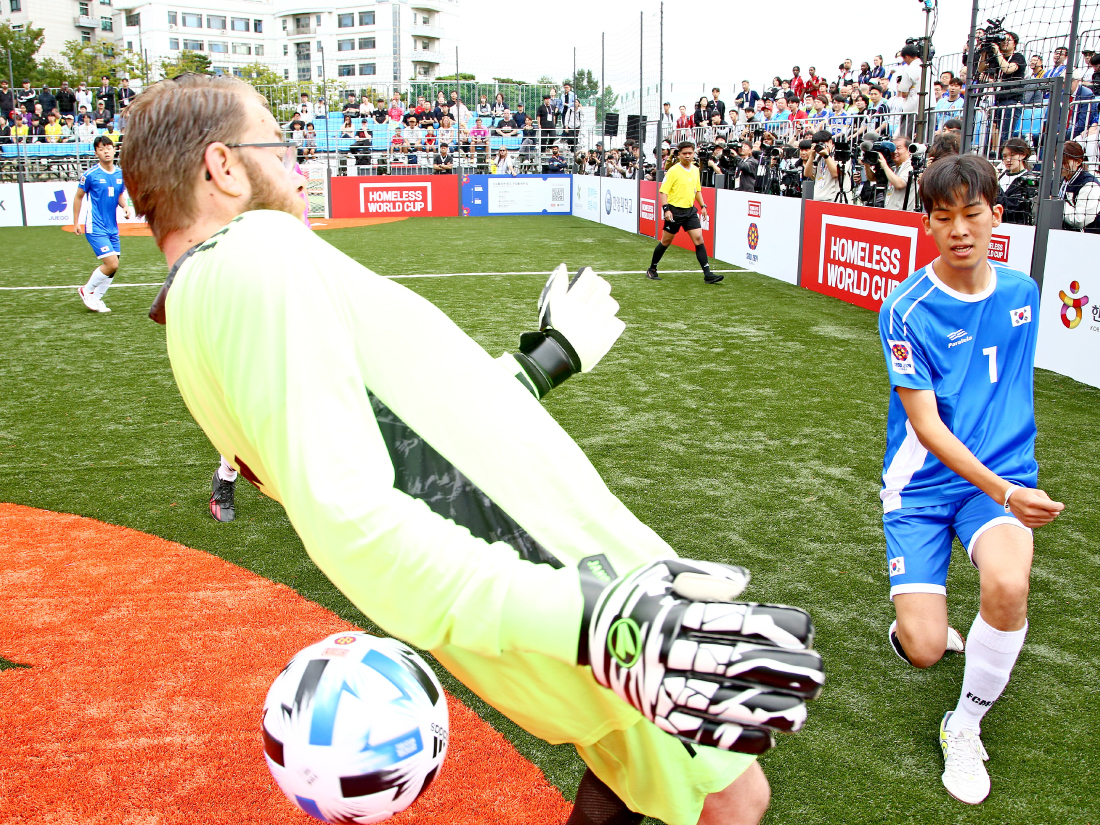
{"points": [[959, 337], [106, 192]]}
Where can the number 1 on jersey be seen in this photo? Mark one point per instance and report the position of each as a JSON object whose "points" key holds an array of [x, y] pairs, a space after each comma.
{"points": [[991, 354]]}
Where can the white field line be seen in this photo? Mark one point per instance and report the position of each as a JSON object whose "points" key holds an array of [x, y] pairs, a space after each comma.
{"points": [[436, 275]]}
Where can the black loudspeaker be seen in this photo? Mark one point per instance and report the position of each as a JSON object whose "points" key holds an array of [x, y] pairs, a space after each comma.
{"points": [[611, 123], [635, 128]]}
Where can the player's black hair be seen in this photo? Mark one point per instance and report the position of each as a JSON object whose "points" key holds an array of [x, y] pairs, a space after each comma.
{"points": [[101, 141], [958, 180], [684, 144]]}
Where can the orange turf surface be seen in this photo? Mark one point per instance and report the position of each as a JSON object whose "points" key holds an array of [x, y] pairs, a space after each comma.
{"points": [[149, 663], [135, 230]]}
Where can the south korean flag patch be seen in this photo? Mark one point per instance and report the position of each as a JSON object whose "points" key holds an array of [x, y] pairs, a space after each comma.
{"points": [[1021, 316], [901, 357], [897, 566]]}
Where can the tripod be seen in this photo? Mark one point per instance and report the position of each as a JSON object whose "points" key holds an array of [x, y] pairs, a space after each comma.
{"points": [[841, 196]]}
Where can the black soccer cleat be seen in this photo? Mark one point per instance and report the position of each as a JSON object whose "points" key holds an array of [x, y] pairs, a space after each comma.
{"points": [[221, 499], [711, 278], [651, 273]]}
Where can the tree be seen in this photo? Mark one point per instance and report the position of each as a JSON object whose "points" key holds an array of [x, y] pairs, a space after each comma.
{"points": [[188, 61], [609, 103], [259, 74], [509, 80], [22, 46], [461, 76], [88, 62], [546, 80], [586, 84]]}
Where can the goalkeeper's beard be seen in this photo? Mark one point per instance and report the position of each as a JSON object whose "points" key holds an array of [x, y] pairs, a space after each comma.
{"points": [[267, 193]]}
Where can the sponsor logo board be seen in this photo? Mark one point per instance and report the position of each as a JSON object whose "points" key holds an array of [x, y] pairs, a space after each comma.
{"points": [[1069, 312], [395, 196]]}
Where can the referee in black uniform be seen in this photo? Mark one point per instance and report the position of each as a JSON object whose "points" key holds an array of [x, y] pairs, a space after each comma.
{"points": [[677, 199]]}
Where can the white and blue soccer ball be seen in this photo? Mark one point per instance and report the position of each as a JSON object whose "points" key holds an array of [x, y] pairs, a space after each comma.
{"points": [[355, 728]]}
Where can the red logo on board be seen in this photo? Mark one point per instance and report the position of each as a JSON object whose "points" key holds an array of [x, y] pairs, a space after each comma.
{"points": [[998, 248], [754, 209]]}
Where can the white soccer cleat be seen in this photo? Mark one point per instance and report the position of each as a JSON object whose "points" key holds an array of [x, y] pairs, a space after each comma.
{"points": [[964, 774], [102, 306], [90, 301], [955, 642]]}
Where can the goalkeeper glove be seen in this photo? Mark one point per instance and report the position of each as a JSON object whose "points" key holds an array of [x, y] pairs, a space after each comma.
{"points": [[577, 326], [670, 641]]}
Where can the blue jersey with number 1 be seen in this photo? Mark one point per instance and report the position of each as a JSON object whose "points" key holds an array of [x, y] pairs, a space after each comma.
{"points": [[977, 353], [102, 190]]}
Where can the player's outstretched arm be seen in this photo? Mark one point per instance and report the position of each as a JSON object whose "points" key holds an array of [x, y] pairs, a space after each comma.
{"points": [[577, 327], [1033, 508], [78, 199], [670, 640]]}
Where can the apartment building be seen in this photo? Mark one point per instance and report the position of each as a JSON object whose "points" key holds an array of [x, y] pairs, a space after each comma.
{"points": [[380, 41]]}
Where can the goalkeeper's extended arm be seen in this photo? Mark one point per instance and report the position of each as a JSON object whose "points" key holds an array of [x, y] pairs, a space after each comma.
{"points": [[669, 640], [577, 326]]}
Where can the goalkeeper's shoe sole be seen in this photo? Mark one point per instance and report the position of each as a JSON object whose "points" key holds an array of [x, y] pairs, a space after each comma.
{"points": [[955, 642], [221, 499]]}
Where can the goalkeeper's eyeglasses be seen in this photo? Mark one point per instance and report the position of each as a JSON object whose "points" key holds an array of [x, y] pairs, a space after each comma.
{"points": [[289, 157]]}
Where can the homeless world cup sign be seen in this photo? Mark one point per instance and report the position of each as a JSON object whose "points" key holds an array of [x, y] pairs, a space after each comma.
{"points": [[858, 260]]}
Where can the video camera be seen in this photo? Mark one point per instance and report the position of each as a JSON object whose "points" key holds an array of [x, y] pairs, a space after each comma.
{"points": [[842, 148], [994, 36], [703, 153], [873, 146]]}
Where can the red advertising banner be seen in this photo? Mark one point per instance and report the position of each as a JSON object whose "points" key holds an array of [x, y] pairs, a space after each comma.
{"points": [[860, 255], [387, 196], [647, 212]]}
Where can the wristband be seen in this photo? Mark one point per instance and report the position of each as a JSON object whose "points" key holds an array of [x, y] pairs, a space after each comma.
{"points": [[1012, 489], [547, 358]]}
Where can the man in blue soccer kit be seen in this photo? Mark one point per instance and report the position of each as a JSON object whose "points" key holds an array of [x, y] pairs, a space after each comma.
{"points": [[106, 192], [959, 338]]}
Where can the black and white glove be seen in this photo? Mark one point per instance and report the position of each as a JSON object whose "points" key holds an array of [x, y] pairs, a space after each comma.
{"points": [[577, 326], [670, 640]]}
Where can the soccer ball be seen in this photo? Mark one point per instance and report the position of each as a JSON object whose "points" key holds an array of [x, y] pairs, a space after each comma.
{"points": [[355, 728]]}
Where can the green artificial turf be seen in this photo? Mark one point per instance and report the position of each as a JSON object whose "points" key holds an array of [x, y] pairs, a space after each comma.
{"points": [[744, 422]]}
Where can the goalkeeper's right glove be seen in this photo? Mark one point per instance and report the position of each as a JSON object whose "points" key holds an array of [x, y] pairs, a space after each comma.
{"points": [[669, 640]]}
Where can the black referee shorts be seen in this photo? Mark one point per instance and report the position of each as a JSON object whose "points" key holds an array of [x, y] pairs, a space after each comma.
{"points": [[682, 218]]}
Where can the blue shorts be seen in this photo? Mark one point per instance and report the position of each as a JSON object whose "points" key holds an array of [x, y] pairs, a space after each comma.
{"points": [[104, 245], [918, 540]]}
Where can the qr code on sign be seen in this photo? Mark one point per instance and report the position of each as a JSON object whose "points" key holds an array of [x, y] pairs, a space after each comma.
{"points": [[557, 194]]}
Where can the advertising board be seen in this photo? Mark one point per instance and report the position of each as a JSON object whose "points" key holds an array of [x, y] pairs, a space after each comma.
{"points": [[1069, 312], [520, 195], [424, 196], [760, 233], [586, 197], [619, 203]]}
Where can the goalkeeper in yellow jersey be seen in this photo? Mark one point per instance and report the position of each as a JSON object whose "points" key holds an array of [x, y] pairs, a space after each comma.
{"points": [[432, 488]]}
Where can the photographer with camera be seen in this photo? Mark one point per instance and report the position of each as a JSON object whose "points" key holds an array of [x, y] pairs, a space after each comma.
{"points": [[1018, 183], [744, 166], [901, 190], [717, 163], [999, 60], [828, 181]]}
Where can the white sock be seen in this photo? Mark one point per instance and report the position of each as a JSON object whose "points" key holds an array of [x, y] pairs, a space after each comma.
{"points": [[990, 656], [101, 288], [226, 471], [94, 282]]}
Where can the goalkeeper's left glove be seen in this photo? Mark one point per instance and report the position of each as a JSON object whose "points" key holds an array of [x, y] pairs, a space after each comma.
{"points": [[669, 640], [577, 326]]}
